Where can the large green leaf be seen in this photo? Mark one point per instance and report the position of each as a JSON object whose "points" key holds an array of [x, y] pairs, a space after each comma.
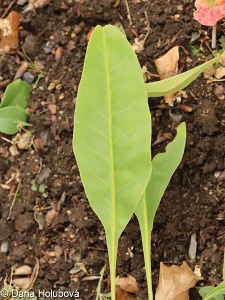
{"points": [[163, 167], [16, 94], [178, 82], [10, 117], [112, 133]]}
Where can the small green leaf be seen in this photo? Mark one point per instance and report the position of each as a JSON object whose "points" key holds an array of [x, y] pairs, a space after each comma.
{"points": [[10, 117], [41, 188], [222, 41], [17, 93], [178, 82], [33, 185], [194, 50]]}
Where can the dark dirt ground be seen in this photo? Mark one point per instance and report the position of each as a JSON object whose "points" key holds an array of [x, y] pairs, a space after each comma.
{"points": [[57, 226]]}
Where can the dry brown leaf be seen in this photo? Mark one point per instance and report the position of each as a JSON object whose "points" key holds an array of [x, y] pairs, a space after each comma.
{"points": [[9, 31], [220, 72], [128, 284], [164, 137], [123, 295], [51, 217], [175, 282], [167, 66], [23, 270], [26, 282], [22, 283]]}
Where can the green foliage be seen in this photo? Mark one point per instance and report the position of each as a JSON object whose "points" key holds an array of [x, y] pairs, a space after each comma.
{"points": [[35, 69], [112, 133], [221, 46], [111, 141], [222, 41], [214, 293], [12, 107], [198, 51], [163, 167]]}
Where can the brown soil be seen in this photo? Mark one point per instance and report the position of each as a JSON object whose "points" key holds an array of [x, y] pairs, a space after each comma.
{"points": [[58, 226]]}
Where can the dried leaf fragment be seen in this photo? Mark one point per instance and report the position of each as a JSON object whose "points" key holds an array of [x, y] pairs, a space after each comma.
{"points": [[123, 295], [167, 66], [26, 282], [22, 283], [33, 4], [175, 282], [23, 270], [9, 31], [51, 217], [220, 72], [128, 284]]}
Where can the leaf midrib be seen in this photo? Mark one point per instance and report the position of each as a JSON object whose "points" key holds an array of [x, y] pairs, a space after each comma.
{"points": [[113, 219]]}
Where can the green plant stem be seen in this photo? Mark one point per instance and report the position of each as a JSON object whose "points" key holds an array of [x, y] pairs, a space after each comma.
{"points": [[112, 250], [146, 229], [98, 290], [147, 258]]}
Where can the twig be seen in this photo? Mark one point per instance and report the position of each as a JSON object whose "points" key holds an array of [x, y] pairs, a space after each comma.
{"points": [[128, 13], [148, 27], [8, 8], [214, 37], [116, 3], [14, 199], [79, 6]]}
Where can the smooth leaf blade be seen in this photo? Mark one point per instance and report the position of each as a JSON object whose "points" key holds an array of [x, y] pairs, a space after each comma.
{"points": [[10, 117], [16, 94], [178, 82], [163, 167], [208, 289], [112, 128], [112, 132], [215, 292]]}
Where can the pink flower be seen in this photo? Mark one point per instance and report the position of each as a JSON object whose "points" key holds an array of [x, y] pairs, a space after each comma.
{"points": [[207, 16]]}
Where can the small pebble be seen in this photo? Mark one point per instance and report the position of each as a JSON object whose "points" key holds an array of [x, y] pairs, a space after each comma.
{"points": [[28, 77], [194, 36], [219, 91], [51, 86], [176, 118], [43, 175], [4, 246], [193, 247]]}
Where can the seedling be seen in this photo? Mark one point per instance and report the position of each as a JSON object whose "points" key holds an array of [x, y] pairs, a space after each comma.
{"points": [[12, 107], [112, 140], [198, 51], [99, 295], [34, 187], [34, 68], [214, 293]]}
